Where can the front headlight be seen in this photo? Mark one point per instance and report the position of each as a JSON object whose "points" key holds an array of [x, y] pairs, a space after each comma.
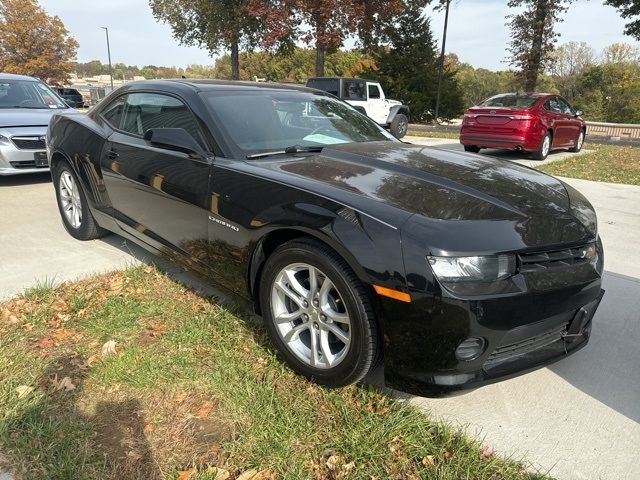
{"points": [[4, 139], [473, 269]]}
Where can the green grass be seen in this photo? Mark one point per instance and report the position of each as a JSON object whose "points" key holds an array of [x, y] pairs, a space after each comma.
{"points": [[606, 163], [192, 385]]}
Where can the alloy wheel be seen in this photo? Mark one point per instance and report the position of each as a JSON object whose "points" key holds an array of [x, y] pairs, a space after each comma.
{"points": [[310, 315], [546, 145], [70, 199]]}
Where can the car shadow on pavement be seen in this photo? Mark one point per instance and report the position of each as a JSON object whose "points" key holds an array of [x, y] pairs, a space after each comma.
{"points": [[29, 179], [608, 368]]}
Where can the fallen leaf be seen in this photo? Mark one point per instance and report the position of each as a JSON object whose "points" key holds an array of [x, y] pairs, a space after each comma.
{"points": [[148, 428], [24, 390], [347, 467], [248, 475], [428, 461], [205, 410], [332, 462], [186, 474], [109, 348], [487, 451], [65, 384], [221, 474]]}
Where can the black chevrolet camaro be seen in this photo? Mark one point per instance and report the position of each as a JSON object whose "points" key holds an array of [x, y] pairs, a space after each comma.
{"points": [[455, 270]]}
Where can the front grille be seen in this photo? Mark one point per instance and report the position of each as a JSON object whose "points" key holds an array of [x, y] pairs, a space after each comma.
{"points": [[527, 345], [532, 262], [29, 143]]}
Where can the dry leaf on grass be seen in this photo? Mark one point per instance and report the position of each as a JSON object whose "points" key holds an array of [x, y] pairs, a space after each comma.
{"points": [[186, 474], [487, 451], [24, 390], [205, 410], [109, 348], [428, 461], [221, 474], [248, 475], [65, 384]]}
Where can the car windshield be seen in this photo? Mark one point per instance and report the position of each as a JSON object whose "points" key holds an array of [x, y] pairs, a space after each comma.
{"points": [[28, 94], [269, 120], [510, 101]]}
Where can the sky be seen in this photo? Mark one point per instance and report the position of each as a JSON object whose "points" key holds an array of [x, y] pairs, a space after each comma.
{"points": [[477, 31]]}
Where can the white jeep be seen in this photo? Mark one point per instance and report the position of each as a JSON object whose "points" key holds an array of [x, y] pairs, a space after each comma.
{"points": [[368, 97]]}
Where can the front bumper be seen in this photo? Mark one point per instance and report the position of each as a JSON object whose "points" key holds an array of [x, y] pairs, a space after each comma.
{"points": [[547, 320], [24, 160]]}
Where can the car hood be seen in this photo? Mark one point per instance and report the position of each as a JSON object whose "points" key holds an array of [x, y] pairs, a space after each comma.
{"points": [[27, 117], [435, 185]]}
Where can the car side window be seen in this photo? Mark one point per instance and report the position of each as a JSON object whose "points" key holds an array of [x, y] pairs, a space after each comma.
{"points": [[553, 105], [374, 91], [354, 90], [564, 107], [113, 113], [143, 111]]}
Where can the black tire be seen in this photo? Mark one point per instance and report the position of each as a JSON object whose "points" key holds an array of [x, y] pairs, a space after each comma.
{"points": [[399, 125], [579, 143], [88, 228], [543, 151], [471, 148], [363, 350]]}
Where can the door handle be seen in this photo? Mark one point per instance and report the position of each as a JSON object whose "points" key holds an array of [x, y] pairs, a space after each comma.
{"points": [[112, 154]]}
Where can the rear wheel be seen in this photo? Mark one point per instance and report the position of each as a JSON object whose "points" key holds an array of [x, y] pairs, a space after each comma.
{"points": [[471, 148], [73, 206], [399, 126], [579, 142], [318, 314], [543, 150]]}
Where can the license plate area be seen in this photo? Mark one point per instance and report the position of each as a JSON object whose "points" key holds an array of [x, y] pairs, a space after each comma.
{"points": [[40, 159]]}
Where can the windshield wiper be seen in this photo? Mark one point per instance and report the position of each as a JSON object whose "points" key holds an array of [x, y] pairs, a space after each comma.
{"points": [[288, 150]]}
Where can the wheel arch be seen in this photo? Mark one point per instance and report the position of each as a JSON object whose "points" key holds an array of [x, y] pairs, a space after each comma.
{"points": [[398, 109], [269, 242]]}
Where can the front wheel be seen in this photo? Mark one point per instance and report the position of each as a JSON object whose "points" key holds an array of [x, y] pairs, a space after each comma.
{"points": [[399, 126], [318, 314], [73, 205]]}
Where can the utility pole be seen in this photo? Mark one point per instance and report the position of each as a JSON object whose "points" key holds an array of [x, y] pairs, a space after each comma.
{"points": [[441, 67], [109, 54]]}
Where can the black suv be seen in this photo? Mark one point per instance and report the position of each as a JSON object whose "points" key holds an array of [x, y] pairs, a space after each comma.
{"points": [[72, 96]]}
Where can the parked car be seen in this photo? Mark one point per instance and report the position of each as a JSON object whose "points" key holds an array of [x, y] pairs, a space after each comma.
{"points": [[367, 97], [353, 246], [530, 122], [72, 96], [26, 105]]}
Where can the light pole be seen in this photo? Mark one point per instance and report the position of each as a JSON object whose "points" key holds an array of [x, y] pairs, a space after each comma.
{"points": [[109, 54], [441, 67]]}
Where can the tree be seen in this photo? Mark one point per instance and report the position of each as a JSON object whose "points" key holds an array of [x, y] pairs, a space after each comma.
{"points": [[34, 43], [621, 53], [567, 63], [628, 9], [325, 23], [408, 68], [212, 24], [533, 36]]}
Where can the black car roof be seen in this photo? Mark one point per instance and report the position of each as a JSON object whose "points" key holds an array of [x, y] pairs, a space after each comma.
{"points": [[202, 85]]}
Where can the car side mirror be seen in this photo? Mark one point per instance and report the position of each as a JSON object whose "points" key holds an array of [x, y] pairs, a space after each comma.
{"points": [[579, 113], [177, 139]]}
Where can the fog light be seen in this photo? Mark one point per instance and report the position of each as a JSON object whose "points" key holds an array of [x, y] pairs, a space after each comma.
{"points": [[470, 349]]}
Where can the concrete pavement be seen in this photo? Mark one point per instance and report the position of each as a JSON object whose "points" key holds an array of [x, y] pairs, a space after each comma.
{"points": [[35, 247], [579, 418]]}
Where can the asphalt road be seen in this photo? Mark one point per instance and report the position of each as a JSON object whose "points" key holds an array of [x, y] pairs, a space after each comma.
{"points": [[578, 419]]}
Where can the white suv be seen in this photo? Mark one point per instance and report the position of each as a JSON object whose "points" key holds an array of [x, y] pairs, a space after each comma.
{"points": [[368, 97]]}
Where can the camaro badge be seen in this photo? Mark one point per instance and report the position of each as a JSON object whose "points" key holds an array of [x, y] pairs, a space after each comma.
{"points": [[224, 224]]}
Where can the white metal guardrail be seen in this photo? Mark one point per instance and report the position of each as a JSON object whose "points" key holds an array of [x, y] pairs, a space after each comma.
{"points": [[623, 131]]}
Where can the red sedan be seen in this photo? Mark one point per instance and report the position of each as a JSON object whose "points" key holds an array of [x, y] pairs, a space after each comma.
{"points": [[530, 122]]}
